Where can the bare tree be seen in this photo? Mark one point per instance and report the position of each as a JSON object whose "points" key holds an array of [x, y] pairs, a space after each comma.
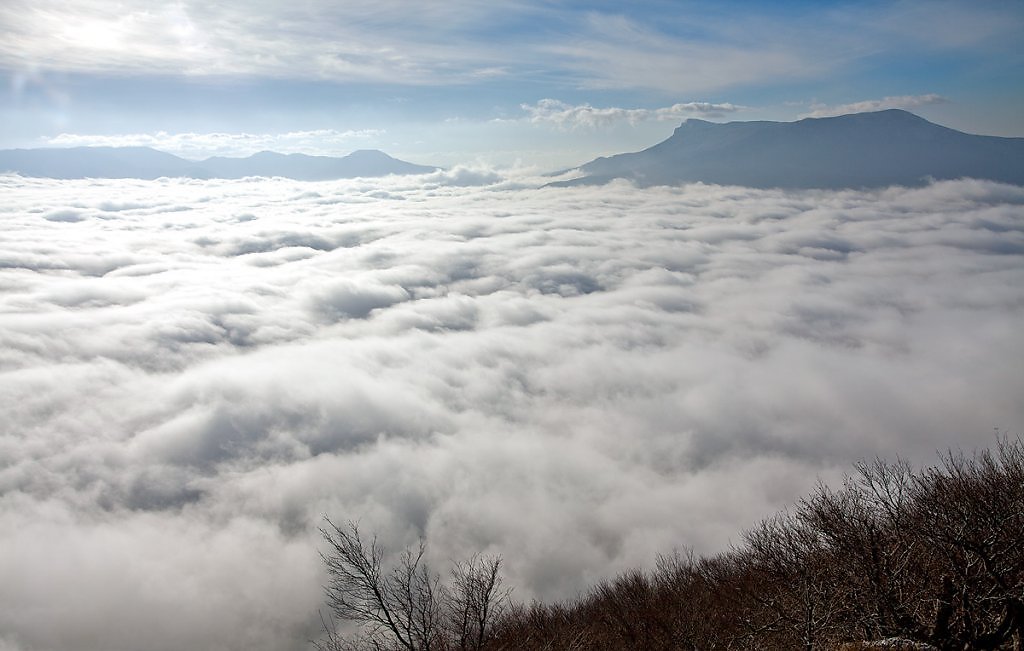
{"points": [[475, 600], [894, 558], [932, 556], [796, 588], [972, 514], [407, 607]]}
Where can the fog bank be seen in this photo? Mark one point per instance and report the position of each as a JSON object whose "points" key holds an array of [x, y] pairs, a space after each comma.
{"points": [[193, 372]]}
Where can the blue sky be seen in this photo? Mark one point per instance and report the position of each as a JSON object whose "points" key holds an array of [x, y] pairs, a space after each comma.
{"points": [[532, 83]]}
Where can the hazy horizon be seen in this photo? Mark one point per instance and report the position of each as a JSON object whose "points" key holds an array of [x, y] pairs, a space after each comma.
{"points": [[502, 84]]}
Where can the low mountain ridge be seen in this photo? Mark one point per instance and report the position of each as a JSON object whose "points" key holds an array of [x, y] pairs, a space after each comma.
{"points": [[148, 163], [891, 147]]}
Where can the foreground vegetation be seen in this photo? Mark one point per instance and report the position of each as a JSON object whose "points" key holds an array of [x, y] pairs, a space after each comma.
{"points": [[895, 558]]}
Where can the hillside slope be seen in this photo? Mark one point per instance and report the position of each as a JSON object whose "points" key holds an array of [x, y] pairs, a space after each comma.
{"points": [[883, 148], [147, 163]]}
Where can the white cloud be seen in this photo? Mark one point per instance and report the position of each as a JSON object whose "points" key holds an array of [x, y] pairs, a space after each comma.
{"points": [[895, 102], [617, 51], [564, 115], [193, 372], [203, 145], [679, 50], [309, 40], [702, 50]]}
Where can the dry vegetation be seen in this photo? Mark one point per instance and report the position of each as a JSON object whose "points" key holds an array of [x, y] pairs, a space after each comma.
{"points": [[896, 558]]}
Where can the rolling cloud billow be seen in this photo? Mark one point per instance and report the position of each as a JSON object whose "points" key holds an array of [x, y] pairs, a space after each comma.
{"points": [[575, 378]]}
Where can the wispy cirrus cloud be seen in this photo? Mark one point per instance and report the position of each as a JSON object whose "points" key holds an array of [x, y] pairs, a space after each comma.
{"points": [[622, 52], [894, 102], [561, 114], [679, 50], [306, 40], [203, 145]]}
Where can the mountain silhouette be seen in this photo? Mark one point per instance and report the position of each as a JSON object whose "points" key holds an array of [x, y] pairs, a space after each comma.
{"points": [[147, 163], [365, 162], [882, 148]]}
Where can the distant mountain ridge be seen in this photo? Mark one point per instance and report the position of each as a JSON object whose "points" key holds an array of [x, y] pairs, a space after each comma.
{"points": [[148, 163], [881, 148]]}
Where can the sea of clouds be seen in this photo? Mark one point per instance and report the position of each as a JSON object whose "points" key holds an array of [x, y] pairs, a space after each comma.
{"points": [[193, 373]]}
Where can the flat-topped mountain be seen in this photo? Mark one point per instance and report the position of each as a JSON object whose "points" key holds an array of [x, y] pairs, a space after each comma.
{"points": [[147, 163], [883, 148]]}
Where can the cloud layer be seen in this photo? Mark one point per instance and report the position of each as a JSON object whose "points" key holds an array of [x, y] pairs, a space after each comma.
{"points": [[700, 48], [193, 372], [567, 116], [317, 142], [900, 102]]}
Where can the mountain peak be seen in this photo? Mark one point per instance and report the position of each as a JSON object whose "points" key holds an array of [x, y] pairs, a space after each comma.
{"points": [[370, 153], [147, 163], [884, 116], [266, 153], [890, 147]]}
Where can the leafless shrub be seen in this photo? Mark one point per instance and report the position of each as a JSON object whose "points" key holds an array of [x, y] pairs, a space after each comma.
{"points": [[893, 559], [475, 600], [795, 591], [407, 607]]}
